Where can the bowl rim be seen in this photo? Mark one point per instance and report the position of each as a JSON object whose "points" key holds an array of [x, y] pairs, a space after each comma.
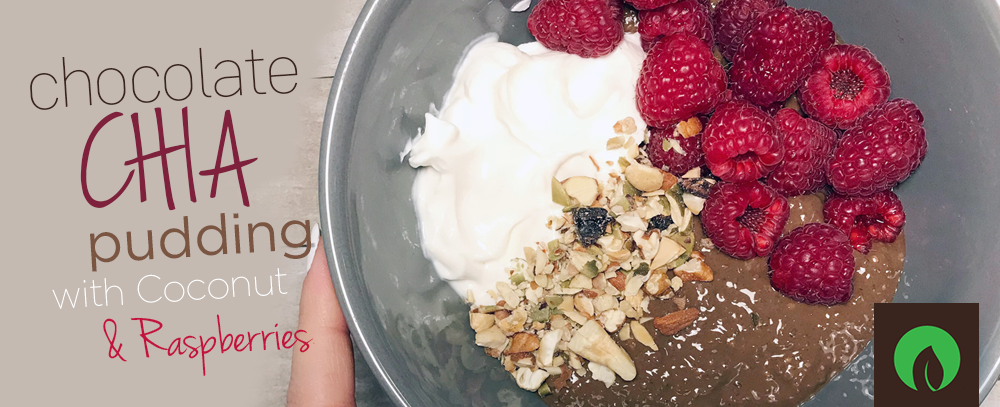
{"points": [[338, 127], [337, 132]]}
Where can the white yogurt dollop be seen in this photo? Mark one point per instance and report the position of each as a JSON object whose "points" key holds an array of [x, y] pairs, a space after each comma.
{"points": [[514, 118]]}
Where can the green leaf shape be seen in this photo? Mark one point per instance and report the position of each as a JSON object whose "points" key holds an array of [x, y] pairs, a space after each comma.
{"points": [[943, 346]]}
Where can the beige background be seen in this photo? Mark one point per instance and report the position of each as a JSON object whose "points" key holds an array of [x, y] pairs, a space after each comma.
{"points": [[60, 356]]}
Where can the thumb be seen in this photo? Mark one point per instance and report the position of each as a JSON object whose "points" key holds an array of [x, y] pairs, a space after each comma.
{"points": [[322, 376]]}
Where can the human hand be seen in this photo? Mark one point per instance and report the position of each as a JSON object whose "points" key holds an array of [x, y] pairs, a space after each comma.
{"points": [[323, 376]]}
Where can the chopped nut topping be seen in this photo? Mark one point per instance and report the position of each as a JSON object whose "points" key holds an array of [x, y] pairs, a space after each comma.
{"points": [[625, 126], [694, 270], [674, 322], [621, 243], [689, 128], [657, 284], [522, 342], [642, 335], [644, 177]]}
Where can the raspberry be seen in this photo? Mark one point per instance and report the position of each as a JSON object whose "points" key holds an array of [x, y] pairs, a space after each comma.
{"points": [[684, 16], [814, 264], [649, 4], [744, 220], [680, 78], [777, 53], [665, 156], [877, 217], [732, 18], [846, 83], [741, 142], [588, 28], [808, 145], [882, 150]]}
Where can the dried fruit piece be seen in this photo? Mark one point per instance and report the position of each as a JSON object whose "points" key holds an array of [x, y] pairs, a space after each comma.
{"points": [[659, 222], [591, 223], [593, 343], [674, 322], [699, 187]]}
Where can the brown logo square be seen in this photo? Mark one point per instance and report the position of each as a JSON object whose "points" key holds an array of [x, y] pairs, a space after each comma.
{"points": [[927, 354]]}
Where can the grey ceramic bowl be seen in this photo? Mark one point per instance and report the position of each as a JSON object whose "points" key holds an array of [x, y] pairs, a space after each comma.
{"points": [[412, 328]]}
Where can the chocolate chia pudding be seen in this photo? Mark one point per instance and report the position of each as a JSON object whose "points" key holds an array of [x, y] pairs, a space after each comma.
{"points": [[751, 345]]}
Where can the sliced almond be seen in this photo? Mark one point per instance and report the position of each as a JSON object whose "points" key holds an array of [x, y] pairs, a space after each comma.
{"points": [[694, 270], [644, 177], [694, 203], [669, 251], [593, 343], [642, 335], [583, 305], [625, 333], [583, 189], [575, 316], [694, 173], [618, 281], [633, 286], [582, 282]]}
